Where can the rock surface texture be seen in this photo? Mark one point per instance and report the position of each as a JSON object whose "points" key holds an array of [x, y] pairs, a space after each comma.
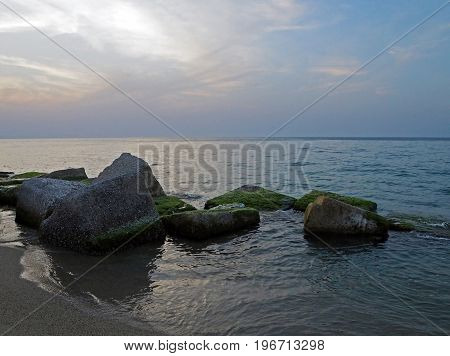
{"points": [[37, 197], [202, 225], [8, 195], [68, 174], [302, 203], [327, 217], [253, 197], [104, 216], [129, 164]]}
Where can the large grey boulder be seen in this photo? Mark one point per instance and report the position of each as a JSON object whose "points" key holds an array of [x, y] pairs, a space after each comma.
{"points": [[104, 216], [327, 217], [37, 197], [129, 164], [206, 224], [68, 174]]}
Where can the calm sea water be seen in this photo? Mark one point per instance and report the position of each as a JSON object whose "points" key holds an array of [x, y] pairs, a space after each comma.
{"points": [[269, 280]]}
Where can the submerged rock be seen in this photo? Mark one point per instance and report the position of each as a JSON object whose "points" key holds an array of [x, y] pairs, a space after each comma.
{"points": [[8, 195], [253, 197], [167, 205], [129, 164], [302, 203], [206, 224], [400, 225], [327, 217], [103, 216], [37, 197], [76, 174]]}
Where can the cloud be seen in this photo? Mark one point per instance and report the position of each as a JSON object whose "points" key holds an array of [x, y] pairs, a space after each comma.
{"points": [[215, 44], [335, 71], [25, 81], [425, 44]]}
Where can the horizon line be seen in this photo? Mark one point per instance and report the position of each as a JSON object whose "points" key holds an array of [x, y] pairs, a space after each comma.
{"points": [[216, 138]]}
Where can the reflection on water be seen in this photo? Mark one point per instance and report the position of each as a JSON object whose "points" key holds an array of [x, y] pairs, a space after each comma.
{"points": [[267, 281], [10, 232]]}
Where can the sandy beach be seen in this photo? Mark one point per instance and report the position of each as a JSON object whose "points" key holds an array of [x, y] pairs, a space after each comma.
{"points": [[59, 317]]}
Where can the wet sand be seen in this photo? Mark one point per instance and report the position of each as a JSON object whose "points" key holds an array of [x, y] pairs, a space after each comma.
{"points": [[18, 297]]}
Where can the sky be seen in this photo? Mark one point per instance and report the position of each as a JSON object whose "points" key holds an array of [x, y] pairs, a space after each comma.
{"points": [[219, 68]]}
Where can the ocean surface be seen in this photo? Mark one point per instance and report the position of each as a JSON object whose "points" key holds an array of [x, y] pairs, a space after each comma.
{"points": [[270, 280]]}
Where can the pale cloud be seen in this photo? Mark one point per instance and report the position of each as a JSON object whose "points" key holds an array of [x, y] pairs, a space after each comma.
{"points": [[26, 81], [335, 71], [383, 91], [425, 44], [299, 27], [214, 43]]}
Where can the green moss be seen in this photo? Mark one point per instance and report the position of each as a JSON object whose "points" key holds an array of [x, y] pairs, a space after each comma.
{"points": [[302, 203], [114, 237], [27, 175], [11, 182], [87, 181], [400, 225], [206, 224], [381, 221], [259, 199], [167, 205]]}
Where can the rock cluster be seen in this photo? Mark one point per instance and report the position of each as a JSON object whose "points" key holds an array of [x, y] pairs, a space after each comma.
{"points": [[126, 205], [327, 217]]}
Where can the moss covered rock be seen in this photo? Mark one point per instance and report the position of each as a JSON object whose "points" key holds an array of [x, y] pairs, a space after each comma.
{"points": [[302, 203], [104, 216], [19, 178], [11, 182], [253, 197], [168, 205], [400, 225], [138, 232], [27, 175], [206, 224], [75, 174], [327, 217]]}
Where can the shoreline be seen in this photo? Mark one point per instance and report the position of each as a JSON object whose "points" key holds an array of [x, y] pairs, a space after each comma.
{"points": [[59, 317]]}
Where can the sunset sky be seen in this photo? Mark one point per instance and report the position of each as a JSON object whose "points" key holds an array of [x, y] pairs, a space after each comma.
{"points": [[213, 68]]}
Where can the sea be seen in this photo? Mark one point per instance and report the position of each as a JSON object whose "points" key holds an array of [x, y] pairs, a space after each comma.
{"points": [[270, 280]]}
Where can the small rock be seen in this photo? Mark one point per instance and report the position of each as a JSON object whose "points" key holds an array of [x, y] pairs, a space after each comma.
{"points": [[206, 224], [76, 174], [302, 203], [327, 217]]}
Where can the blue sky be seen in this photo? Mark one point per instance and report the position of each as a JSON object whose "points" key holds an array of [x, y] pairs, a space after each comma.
{"points": [[224, 68]]}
